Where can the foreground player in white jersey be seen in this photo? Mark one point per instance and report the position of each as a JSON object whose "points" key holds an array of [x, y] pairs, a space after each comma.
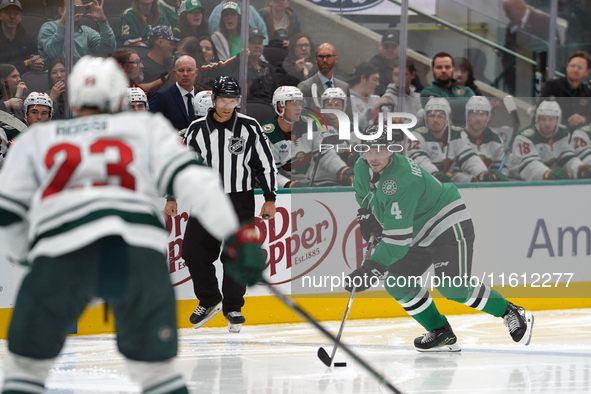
{"points": [[80, 203]]}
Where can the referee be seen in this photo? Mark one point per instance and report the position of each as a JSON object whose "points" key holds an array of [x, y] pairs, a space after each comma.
{"points": [[235, 145]]}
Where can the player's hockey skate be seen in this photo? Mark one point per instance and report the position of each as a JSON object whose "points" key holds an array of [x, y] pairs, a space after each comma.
{"points": [[235, 321], [441, 339], [520, 323], [202, 315]]}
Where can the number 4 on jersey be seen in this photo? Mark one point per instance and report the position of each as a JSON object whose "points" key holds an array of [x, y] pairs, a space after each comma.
{"points": [[395, 211]]}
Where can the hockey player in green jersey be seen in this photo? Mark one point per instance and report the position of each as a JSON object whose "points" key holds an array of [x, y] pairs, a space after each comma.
{"points": [[421, 222], [541, 151]]}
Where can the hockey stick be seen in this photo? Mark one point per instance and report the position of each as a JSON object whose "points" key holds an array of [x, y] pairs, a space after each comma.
{"points": [[10, 120], [512, 108], [314, 91], [290, 303], [322, 355]]}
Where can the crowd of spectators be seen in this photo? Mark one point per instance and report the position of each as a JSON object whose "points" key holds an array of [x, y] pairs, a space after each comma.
{"points": [[171, 50]]}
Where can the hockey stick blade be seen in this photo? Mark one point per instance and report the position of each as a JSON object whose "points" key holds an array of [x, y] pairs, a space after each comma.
{"points": [[291, 304], [324, 357], [10, 120]]}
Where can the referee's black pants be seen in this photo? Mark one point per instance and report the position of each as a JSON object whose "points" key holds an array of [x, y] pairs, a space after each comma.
{"points": [[201, 250]]}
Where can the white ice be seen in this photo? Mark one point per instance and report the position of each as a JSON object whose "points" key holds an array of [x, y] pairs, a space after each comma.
{"points": [[282, 359]]}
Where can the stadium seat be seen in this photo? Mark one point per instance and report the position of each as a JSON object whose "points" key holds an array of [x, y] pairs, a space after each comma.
{"points": [[32, 24], [36, 81], [274, 55], [261, 111]]}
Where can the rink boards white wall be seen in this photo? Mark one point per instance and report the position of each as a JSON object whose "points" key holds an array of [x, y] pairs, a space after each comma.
{"points": [[536, 232]]}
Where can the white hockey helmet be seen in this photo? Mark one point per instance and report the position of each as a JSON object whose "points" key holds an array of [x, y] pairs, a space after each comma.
{"points": [[549, 108], [98, 83], [137, 94], [334, 93], [438, 104], [477, 103], [283, 94], [38, 98], [203, 102]]}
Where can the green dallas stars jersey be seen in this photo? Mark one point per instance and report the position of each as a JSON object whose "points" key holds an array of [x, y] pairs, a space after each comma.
{"points": [[413, 207]]}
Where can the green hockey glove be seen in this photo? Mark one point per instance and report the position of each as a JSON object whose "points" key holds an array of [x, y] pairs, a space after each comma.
{"points": [[442, 176], [345, 176], [244, 248], [557, 173], [585, 171], [492, 176]]}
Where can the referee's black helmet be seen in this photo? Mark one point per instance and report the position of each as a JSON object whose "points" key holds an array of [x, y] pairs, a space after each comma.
{"points": [[225, 86]]}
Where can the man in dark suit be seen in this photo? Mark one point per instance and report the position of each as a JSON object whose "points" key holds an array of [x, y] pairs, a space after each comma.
{"points": [[527, 30], [176, 102], [313, 87]]}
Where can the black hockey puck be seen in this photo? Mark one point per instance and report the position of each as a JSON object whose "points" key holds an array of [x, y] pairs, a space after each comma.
{"points": [[340, 364], [266, 217]]}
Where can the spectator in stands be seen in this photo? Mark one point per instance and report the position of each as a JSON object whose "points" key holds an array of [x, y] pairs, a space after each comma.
{"points": [[17, 47], [158, 61], [138, 101], [412, 100], [227, 39], [442, 67], [210, 54], [190, 46], [14, 88], [133, 67], [366, 79], [278, 16], [57, 81], [176, 102], [192, 20], [386, 59], [261, 76], [299, 63], [255, 19], [464, 75], [542, 150], [136, 22], [313, 87], [86, 40], [570, 91], [171, 10], [527, 29]]}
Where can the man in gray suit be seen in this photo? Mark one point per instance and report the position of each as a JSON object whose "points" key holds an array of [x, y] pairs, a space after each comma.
{"points": [[326, 58]]}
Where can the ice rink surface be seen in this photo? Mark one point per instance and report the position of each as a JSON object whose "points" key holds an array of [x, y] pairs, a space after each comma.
{"points": [[282, 359]]}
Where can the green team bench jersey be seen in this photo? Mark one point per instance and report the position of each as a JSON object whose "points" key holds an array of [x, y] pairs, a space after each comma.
{"points": [[430, 154], [488, 147], [535, 154], [581, 143], [413, 207]]}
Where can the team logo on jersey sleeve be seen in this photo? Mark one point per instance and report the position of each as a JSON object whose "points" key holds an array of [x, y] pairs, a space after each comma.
{"points": [[389, 187], [268, 128], [528, 132], [236, 145]]}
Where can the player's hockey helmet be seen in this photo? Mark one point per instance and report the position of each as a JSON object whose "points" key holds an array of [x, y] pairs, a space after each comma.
{"points": [[549, 108], [225, 86], [283, 94], [38, 98], [477, 103], [334, 93], [97, 82], [437, 104], [203, 102], [137, 94]]}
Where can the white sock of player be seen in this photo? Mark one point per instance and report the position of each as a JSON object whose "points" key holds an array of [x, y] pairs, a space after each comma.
{"points": [[155, 377], [26, 374]]}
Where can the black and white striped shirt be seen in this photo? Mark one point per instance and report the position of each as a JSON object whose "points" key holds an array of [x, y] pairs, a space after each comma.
{"points": [[240, 152]]}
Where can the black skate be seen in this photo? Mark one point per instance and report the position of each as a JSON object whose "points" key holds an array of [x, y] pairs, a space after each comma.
{"points": [[235, 321], [441, 339], [202, 315], [520, 323]]}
